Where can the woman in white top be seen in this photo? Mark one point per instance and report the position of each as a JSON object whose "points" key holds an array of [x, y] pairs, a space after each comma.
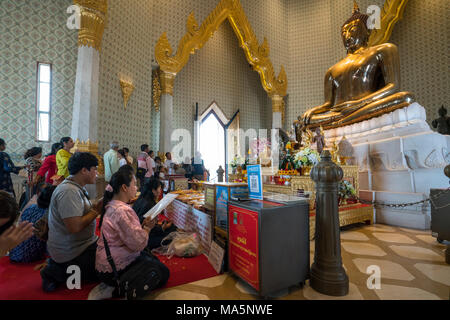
{"points": [[122, 158]]}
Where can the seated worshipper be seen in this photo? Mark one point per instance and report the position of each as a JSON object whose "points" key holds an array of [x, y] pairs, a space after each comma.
{"points": [[48, 168], [6, 168], [142, 164], [33, 164], [125, 237], [71, 224], [111, 160], [11, 235], [150, 194], [62, 158], [39, 188], [33, 249]]}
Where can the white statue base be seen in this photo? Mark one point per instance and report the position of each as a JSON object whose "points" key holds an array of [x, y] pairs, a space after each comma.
{"points": [[400, 159]]}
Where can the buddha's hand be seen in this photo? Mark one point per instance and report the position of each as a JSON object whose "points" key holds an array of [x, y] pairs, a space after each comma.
{"points": [[307, 116]]}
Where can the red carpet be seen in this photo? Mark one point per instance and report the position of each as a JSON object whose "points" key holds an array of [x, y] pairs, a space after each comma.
{"points": [[21, 282]]}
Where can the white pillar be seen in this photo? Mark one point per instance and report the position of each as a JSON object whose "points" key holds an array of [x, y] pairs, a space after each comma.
{"points": [[276, 120], [85, 107], [165, 129]]}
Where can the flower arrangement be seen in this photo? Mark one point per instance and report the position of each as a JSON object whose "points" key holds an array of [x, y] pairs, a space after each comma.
{"points": [[237, 161], [346, 190], [306, 157], [259, 146]]}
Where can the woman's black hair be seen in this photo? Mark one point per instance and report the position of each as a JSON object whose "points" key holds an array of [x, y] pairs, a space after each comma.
{"points": [[157, 158], [147, 199], [64, 140], [32, 152], [122, 177], [10, 210], [122, 153], [55, 148], [2, 142], [44, 198], [81, 160], [144, 146], [126, 149]]}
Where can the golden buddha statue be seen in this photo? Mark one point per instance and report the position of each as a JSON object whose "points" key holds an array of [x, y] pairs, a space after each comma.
{"points": [[363, 85]]}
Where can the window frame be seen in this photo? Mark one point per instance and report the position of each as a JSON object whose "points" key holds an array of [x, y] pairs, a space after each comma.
{"points": [[37, 111]]}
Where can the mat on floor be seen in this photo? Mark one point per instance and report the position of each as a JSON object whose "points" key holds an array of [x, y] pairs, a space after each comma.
{"points": [[22, 282]]}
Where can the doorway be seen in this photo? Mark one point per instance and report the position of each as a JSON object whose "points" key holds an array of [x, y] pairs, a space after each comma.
{"points": [[212, 144]]}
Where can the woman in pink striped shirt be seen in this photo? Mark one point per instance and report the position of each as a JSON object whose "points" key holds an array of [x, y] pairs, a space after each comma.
{"points": [[125, 235]]}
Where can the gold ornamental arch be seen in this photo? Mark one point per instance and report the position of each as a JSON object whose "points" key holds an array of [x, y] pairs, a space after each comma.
{"points": [[257, 54]]}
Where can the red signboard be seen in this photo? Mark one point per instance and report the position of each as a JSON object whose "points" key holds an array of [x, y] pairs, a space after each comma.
{"points": [[243, 244]]}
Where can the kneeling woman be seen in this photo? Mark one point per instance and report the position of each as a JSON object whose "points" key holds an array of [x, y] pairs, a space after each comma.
{"points": [[126, 237], [151, 192]]}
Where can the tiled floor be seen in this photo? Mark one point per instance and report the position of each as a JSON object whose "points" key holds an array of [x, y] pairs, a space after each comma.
{"points": [[412, 265]]}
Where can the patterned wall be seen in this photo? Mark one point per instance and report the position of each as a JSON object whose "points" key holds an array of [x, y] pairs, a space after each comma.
{"points": [[315, 45], [126, 52], [31, 31]]}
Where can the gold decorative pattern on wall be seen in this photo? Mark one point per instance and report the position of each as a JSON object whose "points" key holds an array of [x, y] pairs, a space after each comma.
{"points": [[93, 19], [156, 87], [194, 39], [391, 13], [127, 89]]}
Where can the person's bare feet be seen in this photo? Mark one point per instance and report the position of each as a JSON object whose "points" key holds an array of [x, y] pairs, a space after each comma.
{"points": [[40, 266]]}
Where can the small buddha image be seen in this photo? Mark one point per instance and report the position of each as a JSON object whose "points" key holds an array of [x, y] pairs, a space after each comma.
{"points": [[363, 85], [442, 124]]}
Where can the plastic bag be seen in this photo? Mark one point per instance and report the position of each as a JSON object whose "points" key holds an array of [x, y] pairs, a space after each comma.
{"points": [[183, 244]]}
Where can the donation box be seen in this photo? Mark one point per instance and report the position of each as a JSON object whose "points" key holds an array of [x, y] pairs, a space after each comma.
{"points": [[268, 243]]}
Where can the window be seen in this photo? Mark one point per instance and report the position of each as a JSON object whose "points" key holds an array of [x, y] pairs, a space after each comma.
{"points": [[43, 101]]}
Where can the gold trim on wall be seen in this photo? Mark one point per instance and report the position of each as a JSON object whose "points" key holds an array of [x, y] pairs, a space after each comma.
{"points": [[194, 39], [93, 19], [156, 89], [391, 13], [127, 89]]}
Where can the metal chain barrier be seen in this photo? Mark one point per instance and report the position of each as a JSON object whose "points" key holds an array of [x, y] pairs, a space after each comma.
{"points": [[403, 205]]}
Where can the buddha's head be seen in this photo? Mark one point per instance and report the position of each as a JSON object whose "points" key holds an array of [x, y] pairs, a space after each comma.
{"points": [[442, 111], [354, 31]]}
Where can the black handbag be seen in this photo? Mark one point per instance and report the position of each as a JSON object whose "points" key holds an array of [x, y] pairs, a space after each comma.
{"points": [[138, 279]]}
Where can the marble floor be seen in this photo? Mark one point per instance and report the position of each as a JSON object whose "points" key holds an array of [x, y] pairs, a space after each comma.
{"points": [[412, 265]]}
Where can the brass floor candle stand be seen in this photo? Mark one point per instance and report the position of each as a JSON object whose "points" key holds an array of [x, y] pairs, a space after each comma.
{"points": [[327, 273]]}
